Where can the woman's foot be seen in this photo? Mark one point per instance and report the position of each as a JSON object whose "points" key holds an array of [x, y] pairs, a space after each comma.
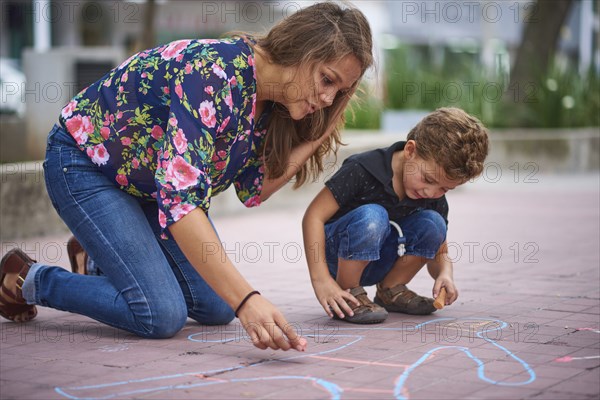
{"points": [[77, 256], [13, 269]]}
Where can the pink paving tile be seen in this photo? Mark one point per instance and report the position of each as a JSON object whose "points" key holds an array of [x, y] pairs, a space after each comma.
{"points": [[515, 293]]}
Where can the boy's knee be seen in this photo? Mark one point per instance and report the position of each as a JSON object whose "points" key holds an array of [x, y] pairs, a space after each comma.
{"points": [[433, 227], [374, 220]]}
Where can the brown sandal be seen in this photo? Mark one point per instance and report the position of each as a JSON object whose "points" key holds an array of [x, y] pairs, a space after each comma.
{"points": [[77, 256], [15, 262]]}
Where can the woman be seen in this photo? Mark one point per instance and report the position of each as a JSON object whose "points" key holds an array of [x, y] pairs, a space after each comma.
{"points": [[138, 155]]}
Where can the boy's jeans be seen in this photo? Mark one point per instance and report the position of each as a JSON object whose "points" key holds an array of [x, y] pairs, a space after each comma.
{"points": [[148, 287], [366, 234]]}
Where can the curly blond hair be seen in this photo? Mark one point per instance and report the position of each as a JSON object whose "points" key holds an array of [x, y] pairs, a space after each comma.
{"points": [[455, 140]]}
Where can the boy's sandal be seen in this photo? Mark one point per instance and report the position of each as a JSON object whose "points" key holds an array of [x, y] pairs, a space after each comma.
{"points": [[403, 300], [365, 313], [77, 256], [12, 304]]}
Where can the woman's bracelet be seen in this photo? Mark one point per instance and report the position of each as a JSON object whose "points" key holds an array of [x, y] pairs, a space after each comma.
{"points": [[252, 293]]}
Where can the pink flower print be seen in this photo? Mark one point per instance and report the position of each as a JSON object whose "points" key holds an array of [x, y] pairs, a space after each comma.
{"points": [[162, 219], [122, 180], [179, 90], [124, 77], [209, 90], [207, 112], [181, 174], [229, 101], [222, 153], [144, 75], [80, 127], [223, 125], [179, 58], [253, 201], [69, 108], [221, 165], [253, 112], [98, 154], [250, 60], [166, 90], [119, 115], [124, 63], [181, 210], [135, 163], [233, 81], [180, 141], [188, 68], [105, 132], [157, 132], [150, 151], [174, 48], [208, 41], [125, 141], [173, 121], [107, 83], [219, 71]]}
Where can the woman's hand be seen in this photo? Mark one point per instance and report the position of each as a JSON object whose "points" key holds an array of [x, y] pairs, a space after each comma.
{"points": [[445, 281], [267, 326], [334, 299]]}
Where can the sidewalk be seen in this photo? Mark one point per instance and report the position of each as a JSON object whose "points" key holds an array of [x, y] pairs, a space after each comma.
{"points": [[526, 325]]}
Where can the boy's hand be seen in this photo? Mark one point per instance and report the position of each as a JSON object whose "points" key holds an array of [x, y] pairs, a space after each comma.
{"points": [[451, 290], [334, 299]]}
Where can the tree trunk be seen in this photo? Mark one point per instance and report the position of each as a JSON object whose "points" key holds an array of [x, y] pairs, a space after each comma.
{"points": [[148, 39], [540, 39]]}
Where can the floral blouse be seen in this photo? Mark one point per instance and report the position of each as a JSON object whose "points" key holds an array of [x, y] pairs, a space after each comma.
{"points": [[175, 124]]}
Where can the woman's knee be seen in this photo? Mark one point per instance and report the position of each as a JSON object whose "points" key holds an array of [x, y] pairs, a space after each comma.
{"points": [[215, 314], [165, 322]]}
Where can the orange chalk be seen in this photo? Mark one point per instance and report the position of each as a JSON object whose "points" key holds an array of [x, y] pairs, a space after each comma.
{"points": [[440, 300]]}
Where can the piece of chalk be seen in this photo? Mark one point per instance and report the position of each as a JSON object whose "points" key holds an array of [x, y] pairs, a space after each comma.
{"points": [[440, 300]]}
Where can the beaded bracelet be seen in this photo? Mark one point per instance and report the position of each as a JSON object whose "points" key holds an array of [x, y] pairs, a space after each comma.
{"points": [[252, 293]]}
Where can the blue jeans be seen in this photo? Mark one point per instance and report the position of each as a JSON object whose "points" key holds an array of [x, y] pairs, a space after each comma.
{"points": [[365, 234], [148, 287]]}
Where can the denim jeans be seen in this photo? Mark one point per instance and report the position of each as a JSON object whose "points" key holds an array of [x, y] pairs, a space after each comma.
{"points": [[365, 234], [148, 287]]}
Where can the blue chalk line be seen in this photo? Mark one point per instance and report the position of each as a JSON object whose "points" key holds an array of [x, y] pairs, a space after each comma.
{"points": [[334, 390]]}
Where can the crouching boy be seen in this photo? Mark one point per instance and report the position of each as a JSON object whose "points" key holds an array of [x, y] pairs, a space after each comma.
{"points": [[384, 215]]}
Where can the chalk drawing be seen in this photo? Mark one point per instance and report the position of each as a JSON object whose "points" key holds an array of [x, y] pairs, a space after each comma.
{"points": [[567, 359], [181, 381]]}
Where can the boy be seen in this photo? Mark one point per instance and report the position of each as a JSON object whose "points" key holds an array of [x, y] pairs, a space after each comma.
{"points": [[383, 216]]}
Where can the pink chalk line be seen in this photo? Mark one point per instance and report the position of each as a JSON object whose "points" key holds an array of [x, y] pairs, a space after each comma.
{"points": [[589, 329], [569, 359]]}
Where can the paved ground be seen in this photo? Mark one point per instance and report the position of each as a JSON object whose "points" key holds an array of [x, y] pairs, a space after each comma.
{"points": [[526, 325]]}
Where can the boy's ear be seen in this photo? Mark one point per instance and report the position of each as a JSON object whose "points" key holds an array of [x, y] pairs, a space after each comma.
{"points": [[410, 149]]}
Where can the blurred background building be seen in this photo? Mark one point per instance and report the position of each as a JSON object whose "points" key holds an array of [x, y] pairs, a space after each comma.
{"points": [[512, 63]]}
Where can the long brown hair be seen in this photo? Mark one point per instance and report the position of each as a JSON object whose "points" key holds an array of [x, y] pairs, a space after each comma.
{"points": [[323, 32]]}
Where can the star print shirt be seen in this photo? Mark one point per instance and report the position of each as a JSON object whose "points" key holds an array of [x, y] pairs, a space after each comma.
{"points": [[366, 178], [175, 124]]}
